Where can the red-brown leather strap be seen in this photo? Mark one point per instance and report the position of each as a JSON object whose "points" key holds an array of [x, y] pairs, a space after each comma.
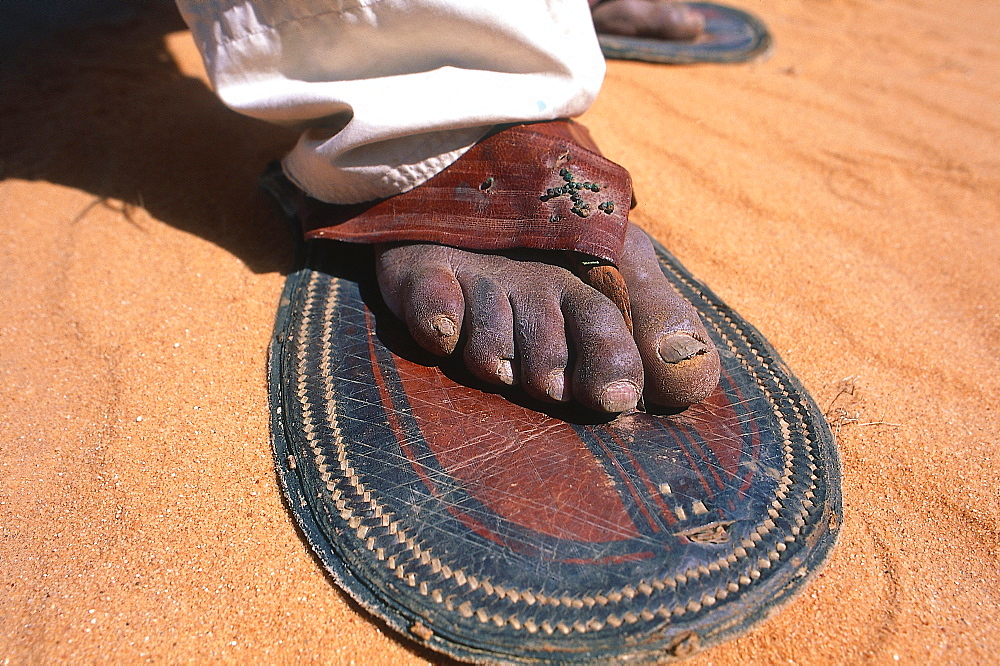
{"points": [[543, 186]]}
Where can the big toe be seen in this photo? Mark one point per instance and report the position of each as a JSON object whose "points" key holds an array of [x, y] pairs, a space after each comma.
{"points": [[681, 364]]}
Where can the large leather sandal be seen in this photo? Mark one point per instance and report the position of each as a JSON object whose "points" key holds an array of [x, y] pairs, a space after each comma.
{"points": [[490, 527]]}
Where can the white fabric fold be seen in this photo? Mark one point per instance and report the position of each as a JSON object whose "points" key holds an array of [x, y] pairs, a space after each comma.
{"points": [[390, 92]]}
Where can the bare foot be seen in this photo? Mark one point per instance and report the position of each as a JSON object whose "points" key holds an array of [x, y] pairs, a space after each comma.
{"points": [[536, 324], [664, 19]]}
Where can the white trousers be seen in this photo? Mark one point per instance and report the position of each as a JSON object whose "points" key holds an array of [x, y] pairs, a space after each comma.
{"points": [[390, 92]]}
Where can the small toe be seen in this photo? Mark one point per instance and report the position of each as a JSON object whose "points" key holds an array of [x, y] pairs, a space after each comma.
{"points": [[420, 288], [607, 372], [489, 321], [540, 336]]}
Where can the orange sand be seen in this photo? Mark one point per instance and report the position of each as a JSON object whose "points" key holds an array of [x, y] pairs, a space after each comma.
{"points": [[844, 196]]}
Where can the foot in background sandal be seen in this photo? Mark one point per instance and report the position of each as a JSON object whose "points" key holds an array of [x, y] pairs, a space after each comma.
{"points": [[661, 19], [536, 324]]}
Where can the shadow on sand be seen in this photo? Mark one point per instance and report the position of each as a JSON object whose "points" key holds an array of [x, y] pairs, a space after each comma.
{"points": [[103, 108]]}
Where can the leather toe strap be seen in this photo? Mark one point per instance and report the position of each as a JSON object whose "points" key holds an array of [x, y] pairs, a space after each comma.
{"points": [[543, 186]]}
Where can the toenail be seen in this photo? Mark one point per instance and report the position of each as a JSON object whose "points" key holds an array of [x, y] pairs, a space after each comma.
{"points": [[555, 388], [680, 347], [505, 372], [619, 397], [443, 326]]}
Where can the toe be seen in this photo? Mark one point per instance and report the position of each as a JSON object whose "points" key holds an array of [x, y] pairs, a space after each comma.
{"points": [[678, 21], [419, 286], [489, 322], [540, 336], [607, 372], [681, 363], [648, 18]]}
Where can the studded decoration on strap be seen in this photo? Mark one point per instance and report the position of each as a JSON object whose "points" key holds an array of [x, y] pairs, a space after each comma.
{"points": [[572, 188]]}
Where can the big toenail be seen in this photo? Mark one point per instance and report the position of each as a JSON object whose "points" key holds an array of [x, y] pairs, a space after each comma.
{"points": [[555, 388], [619, 397], [444, 326], [680, 347], [505, 372]]}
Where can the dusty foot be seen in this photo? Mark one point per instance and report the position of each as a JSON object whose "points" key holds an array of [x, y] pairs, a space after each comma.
{"points": [[647, 18], [538, 325]]}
